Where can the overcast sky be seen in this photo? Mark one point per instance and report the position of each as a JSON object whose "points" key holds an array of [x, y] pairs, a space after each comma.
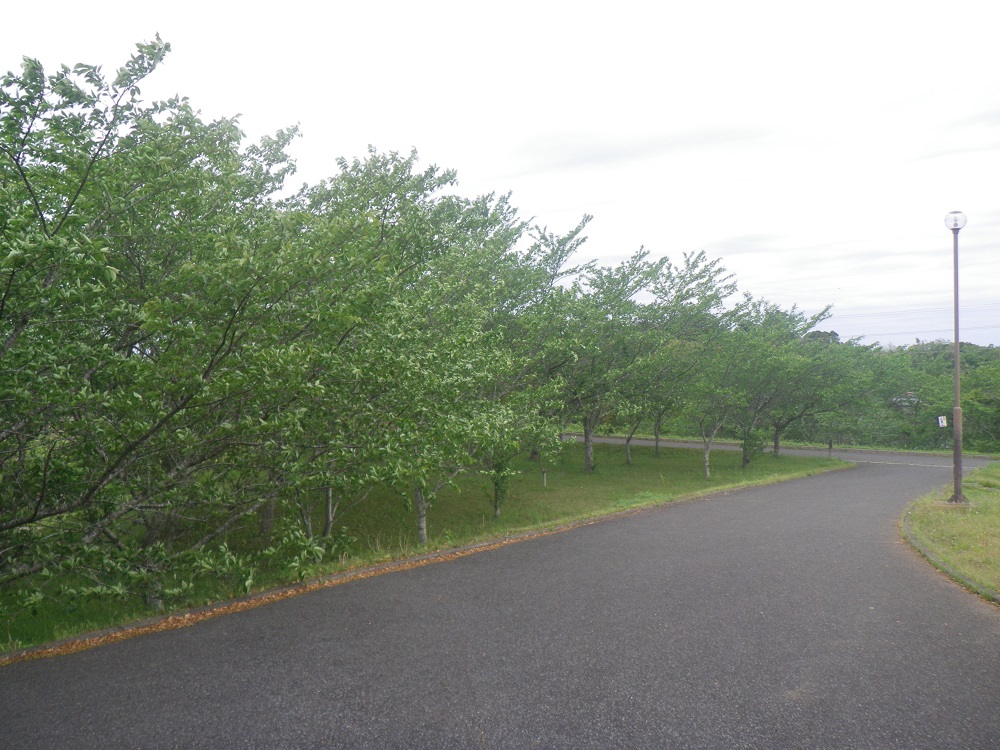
{"points": [[814, 148]]}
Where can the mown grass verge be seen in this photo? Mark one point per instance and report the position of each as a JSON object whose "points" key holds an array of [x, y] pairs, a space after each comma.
{"points": [[381, 532], [963, 542]]}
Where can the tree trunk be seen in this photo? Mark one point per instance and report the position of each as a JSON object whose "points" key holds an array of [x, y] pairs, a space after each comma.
{"points": [[751, 446], [331, 511], [708, 441], [589, 423], [628, 443], [305, 514], [421, 504], [499, 490], [157, 528]]}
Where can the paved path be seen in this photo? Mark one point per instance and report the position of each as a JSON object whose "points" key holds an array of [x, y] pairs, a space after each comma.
{"points": [[789, 616]]}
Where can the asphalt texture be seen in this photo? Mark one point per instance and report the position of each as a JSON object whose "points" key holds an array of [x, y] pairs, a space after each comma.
{"points": [[788, 616]]}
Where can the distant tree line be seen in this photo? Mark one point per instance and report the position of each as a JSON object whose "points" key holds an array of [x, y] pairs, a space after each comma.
{"points": [[184, 354]]}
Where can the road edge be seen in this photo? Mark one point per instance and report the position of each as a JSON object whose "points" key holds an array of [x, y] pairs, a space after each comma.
{"points": [[186, 618], [974, 587]]}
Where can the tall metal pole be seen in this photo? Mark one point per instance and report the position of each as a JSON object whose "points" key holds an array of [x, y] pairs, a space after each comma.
{"points": [[957, 222]]}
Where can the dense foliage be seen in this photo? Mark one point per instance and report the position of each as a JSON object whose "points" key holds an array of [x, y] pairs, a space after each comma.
{"points": [[197, 375]]}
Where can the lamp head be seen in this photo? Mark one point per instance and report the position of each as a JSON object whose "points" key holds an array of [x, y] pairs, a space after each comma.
{"points": [[955, 220]]}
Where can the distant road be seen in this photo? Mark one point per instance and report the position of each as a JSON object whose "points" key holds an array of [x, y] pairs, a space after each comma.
{"points": [[854, 455], [787, 616]]}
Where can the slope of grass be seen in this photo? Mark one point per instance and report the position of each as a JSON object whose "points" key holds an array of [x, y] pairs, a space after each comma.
{"points": [[464, 513], [383, 527], [963, 540]]}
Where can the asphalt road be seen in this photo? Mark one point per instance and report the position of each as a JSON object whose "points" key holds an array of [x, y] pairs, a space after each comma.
{"points": [[789, 616]]}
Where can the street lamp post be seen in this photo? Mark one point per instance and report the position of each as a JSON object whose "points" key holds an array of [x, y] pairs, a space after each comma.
{"points": [[955, 221]]}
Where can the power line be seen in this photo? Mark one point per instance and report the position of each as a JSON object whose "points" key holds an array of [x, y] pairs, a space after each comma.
{"points": [[930, 330], [915, 311]]}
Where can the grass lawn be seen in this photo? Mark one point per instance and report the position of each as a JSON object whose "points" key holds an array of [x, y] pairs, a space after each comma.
{"points": [[964, 540], [383, 527], [386, 526]]}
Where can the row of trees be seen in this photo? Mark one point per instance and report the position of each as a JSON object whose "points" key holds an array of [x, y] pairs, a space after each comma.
{"points": [[911, 387], [184, 355]]}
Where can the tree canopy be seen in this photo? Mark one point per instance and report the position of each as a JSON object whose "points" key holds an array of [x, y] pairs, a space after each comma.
{"points": [[188, 355]]}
